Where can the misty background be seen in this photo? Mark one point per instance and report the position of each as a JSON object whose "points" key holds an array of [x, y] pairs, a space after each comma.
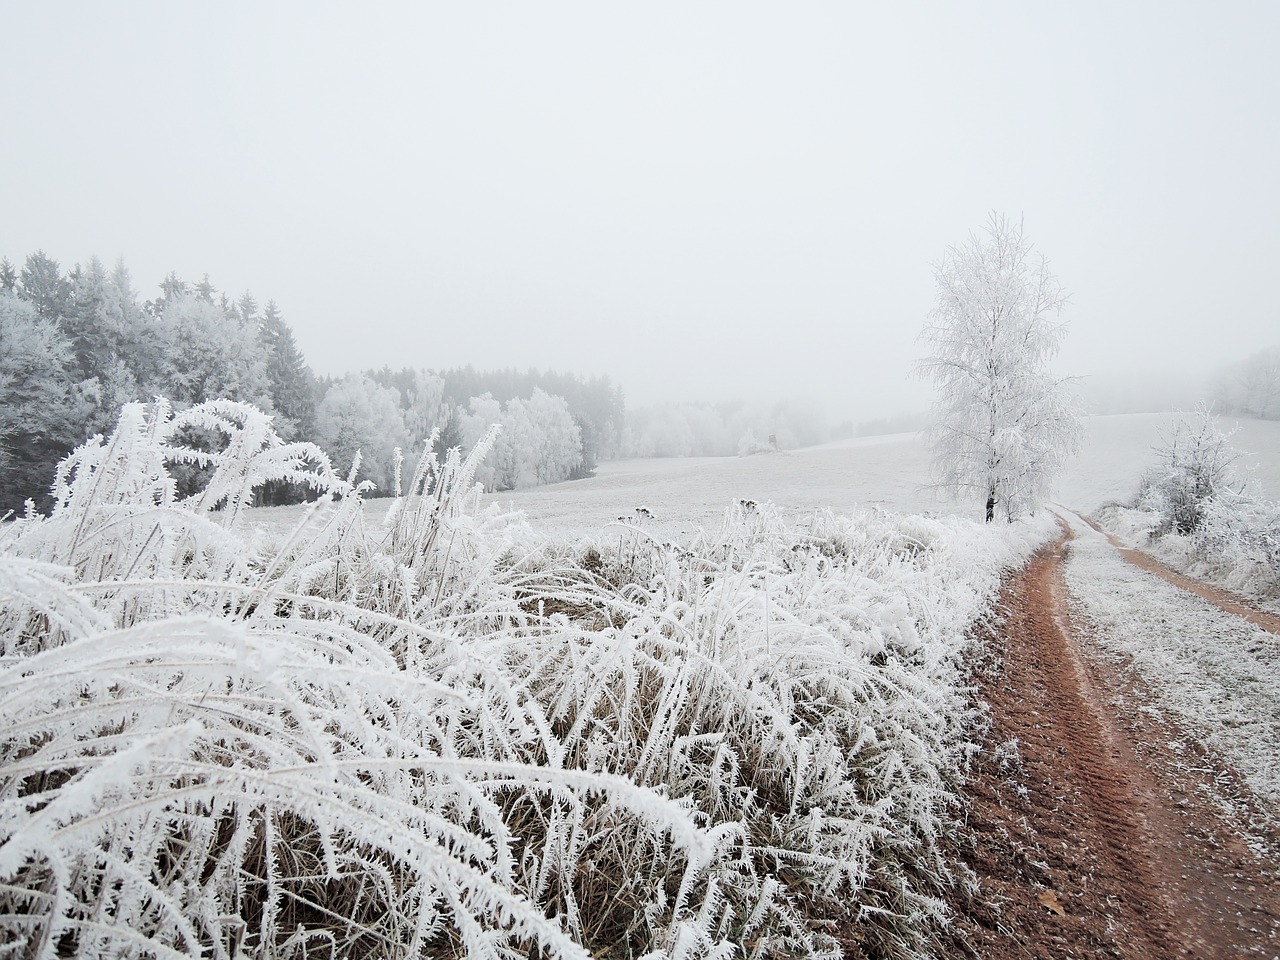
{"points": [[701, 201]]}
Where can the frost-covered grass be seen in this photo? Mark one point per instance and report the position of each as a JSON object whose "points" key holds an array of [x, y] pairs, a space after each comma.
{"points": [[442, 733], [1215, 671]]}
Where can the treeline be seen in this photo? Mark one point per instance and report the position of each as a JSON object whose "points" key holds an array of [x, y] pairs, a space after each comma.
{"points": [[735, 428], [76, 345], [1250, 387]]}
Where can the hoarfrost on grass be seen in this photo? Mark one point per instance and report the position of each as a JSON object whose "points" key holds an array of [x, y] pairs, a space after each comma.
{"points": [[445, 734]]}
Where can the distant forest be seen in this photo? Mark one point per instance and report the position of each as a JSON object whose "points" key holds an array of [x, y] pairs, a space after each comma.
{"points": [[76, 345]]}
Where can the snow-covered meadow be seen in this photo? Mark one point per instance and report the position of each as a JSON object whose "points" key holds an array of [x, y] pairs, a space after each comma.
{"points": [[434, 726], [886, 473]]}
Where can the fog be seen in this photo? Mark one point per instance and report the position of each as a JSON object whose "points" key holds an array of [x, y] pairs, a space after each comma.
{"points": [[702, 201]]}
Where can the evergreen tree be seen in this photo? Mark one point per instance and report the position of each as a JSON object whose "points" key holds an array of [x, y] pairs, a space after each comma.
{"points": [[171, 289], [292, 384], [40, 405], [204, 290], [43, 286]]}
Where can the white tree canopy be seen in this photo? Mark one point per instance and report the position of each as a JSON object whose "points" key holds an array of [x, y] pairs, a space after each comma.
{"points": [[1003, 425], [539, 441], [358, 416]]}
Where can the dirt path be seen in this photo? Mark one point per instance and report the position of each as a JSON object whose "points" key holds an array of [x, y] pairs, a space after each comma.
{"points": [[1222, 599], [1094, 829]]}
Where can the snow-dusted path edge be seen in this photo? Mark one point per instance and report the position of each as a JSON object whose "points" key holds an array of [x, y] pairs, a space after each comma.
{"points": [[1217, 673]]}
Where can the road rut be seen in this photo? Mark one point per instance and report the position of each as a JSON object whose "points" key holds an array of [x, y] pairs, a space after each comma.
{"points": [[1093, 827]]}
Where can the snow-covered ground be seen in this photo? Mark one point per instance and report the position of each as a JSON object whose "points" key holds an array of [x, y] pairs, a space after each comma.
{"points": [[891, 472], [1219, 674]]}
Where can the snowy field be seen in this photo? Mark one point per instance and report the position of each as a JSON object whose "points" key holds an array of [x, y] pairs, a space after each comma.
{"points": [[889, 472]]}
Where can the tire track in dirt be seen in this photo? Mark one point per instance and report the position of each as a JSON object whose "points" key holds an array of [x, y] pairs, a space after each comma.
{"points": [[1090, 832]]}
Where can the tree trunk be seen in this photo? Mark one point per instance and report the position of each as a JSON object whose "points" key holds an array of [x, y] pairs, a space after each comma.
{"points": [[991, 505]]}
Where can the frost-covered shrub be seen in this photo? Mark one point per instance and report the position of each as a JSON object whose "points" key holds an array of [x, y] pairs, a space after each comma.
{"points": [[212, 753], [802, 687], [1195, 513], [1238, 544], [749, 445], [440, 736], [1194, 466]]}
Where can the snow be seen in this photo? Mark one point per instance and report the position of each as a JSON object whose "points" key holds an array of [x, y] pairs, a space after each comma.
{"points": [[890, 472], [887, 472], [1217, 673]]}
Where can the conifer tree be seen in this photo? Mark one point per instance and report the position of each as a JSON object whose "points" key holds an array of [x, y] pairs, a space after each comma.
{"points": [[292, 384], [40, 407], [43, 286]]}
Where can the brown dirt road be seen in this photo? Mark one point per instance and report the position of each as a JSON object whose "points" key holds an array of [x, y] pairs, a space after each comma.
{"points": [[1222, 599], [1096, 827]]}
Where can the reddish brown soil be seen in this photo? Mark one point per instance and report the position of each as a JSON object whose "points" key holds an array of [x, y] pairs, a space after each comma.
{"points": [[1110, 832]]}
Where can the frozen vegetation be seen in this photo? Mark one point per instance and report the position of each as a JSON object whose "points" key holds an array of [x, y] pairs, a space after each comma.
{"points": [[1200, 507], [441, 732]]}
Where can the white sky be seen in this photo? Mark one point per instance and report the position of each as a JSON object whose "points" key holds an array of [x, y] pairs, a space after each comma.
{"points": [[702, 200]]}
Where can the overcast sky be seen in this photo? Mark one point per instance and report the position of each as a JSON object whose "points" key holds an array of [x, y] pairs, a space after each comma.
{"points": [[701, 200]]}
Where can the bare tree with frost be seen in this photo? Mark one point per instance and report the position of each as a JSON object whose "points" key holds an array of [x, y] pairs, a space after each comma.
{"points": [[1003, 425]]}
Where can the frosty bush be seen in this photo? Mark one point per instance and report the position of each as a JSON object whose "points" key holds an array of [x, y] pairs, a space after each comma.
{"points": [[1200, 516], [437, 736], [1194, 466], [1238, 544]]}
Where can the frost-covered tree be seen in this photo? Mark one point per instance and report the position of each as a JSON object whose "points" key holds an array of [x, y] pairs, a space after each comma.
{"points": [[1003, 424], [41, 405], [292, 384], [422, 404], [499, 470], [118, 348], [43, 286], [1252, 386], [556, 438], [539, 440], [359, 415], [211, 354], [597, 406]]}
